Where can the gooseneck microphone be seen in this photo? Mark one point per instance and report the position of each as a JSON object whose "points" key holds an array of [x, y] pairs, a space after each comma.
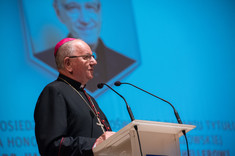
{"points": [[101, 85], [118, 83]]}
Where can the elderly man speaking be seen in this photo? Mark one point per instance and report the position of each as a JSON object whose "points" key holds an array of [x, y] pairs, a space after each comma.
{"points": [[68, 121]]}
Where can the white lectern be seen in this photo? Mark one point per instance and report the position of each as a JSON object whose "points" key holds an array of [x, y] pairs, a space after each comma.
{"points": [[156, 139]]}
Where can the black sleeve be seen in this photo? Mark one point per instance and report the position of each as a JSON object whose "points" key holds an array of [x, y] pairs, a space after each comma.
{"points": [[51, 127], [69, 146]]}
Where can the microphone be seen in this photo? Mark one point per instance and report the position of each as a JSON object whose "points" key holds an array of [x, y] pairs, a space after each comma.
{"points": [[118, 83], [101, 85]]}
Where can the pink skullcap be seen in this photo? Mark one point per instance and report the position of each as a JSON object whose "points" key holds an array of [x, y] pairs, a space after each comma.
{"points": [[59, 44]]}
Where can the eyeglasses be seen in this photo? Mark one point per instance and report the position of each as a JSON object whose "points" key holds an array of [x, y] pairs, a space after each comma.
{"points": [[85, 57]]}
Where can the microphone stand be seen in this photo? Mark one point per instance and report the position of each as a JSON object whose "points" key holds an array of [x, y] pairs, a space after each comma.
{"points": [[118, 83], [100, 85], [175, 112]]}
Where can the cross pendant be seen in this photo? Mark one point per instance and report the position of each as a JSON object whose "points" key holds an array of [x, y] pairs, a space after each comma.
{"points": [[101, 125]]}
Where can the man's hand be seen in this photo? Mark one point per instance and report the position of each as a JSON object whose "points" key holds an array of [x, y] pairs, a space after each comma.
{"points": [[103, 137]]}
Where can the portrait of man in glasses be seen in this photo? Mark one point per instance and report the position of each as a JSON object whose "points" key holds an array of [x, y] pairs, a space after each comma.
{"points": [[82, 18]]}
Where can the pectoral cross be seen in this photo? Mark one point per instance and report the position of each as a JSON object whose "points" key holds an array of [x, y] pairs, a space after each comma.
{"points": [[100, 124]]}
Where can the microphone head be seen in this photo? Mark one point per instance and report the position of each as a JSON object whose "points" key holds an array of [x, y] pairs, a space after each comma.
{"points": [[117, 83], [100, 85]]}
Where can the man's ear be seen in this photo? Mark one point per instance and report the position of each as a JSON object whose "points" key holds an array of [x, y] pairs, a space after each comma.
{"points": [[67, 64]]}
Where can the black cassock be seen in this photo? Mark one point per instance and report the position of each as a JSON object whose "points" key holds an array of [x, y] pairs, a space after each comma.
{"points": [[64, 123]]}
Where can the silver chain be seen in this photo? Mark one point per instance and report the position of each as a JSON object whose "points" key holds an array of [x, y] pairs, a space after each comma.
{"points": [[93, 111]]}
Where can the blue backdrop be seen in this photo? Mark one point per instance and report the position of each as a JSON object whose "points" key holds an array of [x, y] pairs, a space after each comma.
{"points": [[187, 57]]}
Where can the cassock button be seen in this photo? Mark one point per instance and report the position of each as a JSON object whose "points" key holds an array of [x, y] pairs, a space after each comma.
{"points": [[108, 128], [102, 120]]}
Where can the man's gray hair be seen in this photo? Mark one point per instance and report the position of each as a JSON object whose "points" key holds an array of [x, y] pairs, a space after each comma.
{"points": [[65, 50]]}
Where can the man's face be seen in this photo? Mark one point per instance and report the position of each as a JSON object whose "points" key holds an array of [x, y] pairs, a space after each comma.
{"points": [[83, 67], [81, 17]]}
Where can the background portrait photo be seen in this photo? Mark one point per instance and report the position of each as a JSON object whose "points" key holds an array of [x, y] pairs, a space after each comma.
{"points": [[111, 34]]}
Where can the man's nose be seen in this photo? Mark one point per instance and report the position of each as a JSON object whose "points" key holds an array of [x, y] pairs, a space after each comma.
{"points": [[93, 61], [84, 17]]}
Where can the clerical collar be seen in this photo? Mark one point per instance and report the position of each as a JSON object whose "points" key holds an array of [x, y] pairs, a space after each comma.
{"points": [[74, 83]]}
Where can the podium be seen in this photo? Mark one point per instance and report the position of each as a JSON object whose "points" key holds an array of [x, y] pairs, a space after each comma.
{"points": [[155, 139]]}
